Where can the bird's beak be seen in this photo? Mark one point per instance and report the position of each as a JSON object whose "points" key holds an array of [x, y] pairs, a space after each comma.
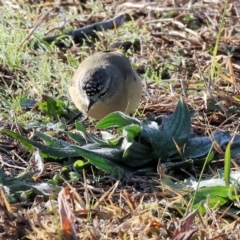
{"points": [[90, 104]]}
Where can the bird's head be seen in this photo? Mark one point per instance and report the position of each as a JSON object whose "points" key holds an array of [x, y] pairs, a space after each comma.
{"points": [[97, 86]]}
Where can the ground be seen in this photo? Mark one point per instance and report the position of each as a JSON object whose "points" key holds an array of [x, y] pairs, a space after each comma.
{"points": [[182, 49]]}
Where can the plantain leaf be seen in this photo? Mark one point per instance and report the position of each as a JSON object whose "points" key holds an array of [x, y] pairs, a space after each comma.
{"points": [[80, 127], [99, 161], [168, 139], [217, 195], [136, 154], [131, 132], [50, 140], [79, 138], [178, 124], [116, 119], [27, 144], [197, 147], [47, 151]]}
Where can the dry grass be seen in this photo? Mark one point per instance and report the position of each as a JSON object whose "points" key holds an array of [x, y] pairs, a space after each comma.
{"points": [[178, 55]]}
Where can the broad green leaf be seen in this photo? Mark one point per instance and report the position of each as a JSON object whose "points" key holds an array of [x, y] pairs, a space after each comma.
{"points": [[80, 127], [217, 195], [15, 188], [174, 131], [116, 119], [27, 144], [173, 185], [131, 131], [79, 138], [98, 161], [197, 147], [113, 154], [136, 154], [235, 148], [85, 138], [47, 151], [150, 133], [94, 138], [222, 137], [178, 124], [93, 146], [48, 139], [186, 164], [53, 152]]}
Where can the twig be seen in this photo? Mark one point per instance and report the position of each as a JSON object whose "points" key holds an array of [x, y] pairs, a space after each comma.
{"points": [[151, 7], [10, 165]]}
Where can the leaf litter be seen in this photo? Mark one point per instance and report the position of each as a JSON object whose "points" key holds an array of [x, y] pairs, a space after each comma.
{"points": [[177, 47]]}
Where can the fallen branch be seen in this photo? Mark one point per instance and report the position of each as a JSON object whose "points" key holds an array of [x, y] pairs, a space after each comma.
{"points": [[87, 32]]}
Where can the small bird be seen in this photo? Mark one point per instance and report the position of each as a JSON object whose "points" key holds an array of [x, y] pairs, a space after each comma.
{"points": [[105, 82]]}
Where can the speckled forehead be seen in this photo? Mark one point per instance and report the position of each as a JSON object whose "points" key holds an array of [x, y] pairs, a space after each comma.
{"points": [[95, 83], [93, 87]]}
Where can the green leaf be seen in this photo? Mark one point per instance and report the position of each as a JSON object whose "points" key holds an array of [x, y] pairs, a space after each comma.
{"points": [[16, 188], [185, 164], [78, 165], [48, 139], [217, 195], [131, 131], [80, 127], [98, 161], [82, 137], [116, 119], [74, 176], [79, 138], [27, 102], [46, 151], [197, 147], [136, 154], [171, 135], [96, 139], [52, 107], [27, 144], [114, 154], [227, 164], [178, 125], [151, 133]]}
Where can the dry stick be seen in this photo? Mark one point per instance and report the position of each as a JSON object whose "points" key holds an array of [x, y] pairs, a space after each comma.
{"points": [[89, 31], [208, 87], [60, 28], [10, 165], [236, 10], [86, 192], [34, 28], [151, 7], [175, 34]]}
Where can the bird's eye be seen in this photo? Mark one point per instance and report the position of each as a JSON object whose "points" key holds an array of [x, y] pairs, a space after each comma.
{"points": [[102, 93]]}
